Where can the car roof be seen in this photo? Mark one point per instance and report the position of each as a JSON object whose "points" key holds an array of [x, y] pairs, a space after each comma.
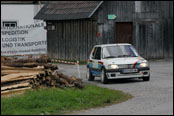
{"points": [[104, 45]]}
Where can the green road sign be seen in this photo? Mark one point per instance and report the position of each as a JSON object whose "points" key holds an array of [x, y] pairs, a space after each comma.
{"points": [[111, 16]]}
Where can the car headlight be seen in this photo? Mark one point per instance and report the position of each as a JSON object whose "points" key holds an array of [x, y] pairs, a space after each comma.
{"points": [[113, 66], [144, 64]]}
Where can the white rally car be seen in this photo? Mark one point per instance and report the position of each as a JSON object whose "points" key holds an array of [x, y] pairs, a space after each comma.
{"points": [[116, 61]]}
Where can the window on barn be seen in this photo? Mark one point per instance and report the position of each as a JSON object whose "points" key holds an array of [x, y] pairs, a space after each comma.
{"points": [[9, 23]]}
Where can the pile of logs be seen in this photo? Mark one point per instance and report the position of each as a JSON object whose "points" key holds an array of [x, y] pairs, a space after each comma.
{"points": [[22, 74], [55, 80]]}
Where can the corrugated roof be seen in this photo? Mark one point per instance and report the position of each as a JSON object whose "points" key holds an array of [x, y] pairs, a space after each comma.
{"points": [[64, 10], [18, 2]]}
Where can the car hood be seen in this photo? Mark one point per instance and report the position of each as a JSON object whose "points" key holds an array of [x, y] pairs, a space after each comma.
{"points": [[125, 60]]}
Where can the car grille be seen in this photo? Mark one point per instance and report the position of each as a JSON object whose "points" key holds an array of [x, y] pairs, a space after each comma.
{"points": [[125, 66]]}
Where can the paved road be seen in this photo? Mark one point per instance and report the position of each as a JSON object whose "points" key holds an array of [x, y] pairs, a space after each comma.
{"points": [[150, 98]]}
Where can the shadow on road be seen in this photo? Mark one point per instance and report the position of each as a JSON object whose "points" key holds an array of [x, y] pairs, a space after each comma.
{"points": [[120, 81]]}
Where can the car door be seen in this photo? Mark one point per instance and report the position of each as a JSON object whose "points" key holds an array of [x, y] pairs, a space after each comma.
{"points": [[96, 58], [91, 57]]}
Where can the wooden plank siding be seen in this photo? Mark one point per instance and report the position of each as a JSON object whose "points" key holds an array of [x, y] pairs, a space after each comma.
{"points": [[72, 39], [152, 30], [152, 25]]}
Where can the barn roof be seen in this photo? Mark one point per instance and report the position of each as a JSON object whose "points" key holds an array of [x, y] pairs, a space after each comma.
{"points": [[21, 2], [65, 10]]}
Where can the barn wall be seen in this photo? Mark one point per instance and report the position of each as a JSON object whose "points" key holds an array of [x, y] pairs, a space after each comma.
{"points": [[152, 25], [72, 40], [152, 30]]}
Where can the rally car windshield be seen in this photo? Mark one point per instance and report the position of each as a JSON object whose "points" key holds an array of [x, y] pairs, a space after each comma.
{"points": [[119, 51]]}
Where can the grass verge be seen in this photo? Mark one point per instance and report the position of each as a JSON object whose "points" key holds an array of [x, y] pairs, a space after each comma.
{"points": [[52, 101]]}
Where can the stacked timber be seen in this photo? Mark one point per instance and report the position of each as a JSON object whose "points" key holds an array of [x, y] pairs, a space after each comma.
{"points": [[21, 74], [56, 79], [14, 80]]}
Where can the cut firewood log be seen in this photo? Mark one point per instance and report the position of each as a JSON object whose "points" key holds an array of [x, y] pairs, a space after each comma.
{"points": [[26, 84], [3, 74], [43, 60], [22, 68], [73, 78], [32, 65], [48, 78], [38, 60], [13, 77], [12, 64], [2, 60], [14, 90], [64, 81], [55, 77], [26, 60], [54, 82], [49, 66], [65, 77], [6, 72], [18, 80]]}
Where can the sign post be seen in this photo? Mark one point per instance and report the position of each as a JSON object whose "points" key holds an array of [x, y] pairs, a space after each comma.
{"points": [[111, 16]]}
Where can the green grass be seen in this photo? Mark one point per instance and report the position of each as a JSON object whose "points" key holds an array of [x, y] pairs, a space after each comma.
{"points": [[59, 101]]}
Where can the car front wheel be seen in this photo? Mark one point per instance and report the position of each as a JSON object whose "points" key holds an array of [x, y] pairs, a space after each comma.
{"points": [[104, 78], [146, 78]]}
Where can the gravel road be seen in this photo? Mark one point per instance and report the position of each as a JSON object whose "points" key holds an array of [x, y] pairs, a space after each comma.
{"points": [[150, 98]]}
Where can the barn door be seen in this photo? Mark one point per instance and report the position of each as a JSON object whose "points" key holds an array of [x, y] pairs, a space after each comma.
{"points": [[124, 32]]}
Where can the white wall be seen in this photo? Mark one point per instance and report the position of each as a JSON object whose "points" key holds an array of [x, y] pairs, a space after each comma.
{"points": [[23, 14]]}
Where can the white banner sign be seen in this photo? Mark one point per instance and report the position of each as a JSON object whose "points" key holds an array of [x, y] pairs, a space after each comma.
{"points": [[28, 39]]}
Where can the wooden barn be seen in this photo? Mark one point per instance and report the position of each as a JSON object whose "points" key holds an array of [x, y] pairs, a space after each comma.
{"points": [[74, 27]]}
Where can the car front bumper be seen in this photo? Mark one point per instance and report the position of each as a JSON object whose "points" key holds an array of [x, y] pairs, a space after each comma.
{"points": [[116, 74]]}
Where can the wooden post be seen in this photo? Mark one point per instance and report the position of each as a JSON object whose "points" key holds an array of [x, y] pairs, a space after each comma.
{"points": [[40, 4], [78, 68]]}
